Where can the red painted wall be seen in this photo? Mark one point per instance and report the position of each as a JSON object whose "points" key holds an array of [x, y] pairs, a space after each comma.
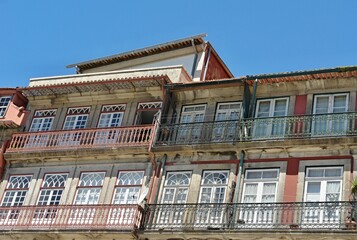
{"points": [[215, 70], [300, 105]]}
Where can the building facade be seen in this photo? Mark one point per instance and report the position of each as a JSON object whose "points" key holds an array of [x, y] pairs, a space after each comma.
{"points": [[164, 143]]}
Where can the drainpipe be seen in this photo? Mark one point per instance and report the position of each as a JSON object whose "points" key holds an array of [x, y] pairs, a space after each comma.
{"points": [[252, 101], [237, 188], [160, 174], [195, 58]]}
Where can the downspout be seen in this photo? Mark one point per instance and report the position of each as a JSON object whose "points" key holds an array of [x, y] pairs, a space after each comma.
{"points": [[252, 101], [195, 58], [160, 174], [236, 190]]}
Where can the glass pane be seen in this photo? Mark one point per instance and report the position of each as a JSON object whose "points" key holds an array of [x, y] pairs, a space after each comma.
{"points": [[254, 175], [263, 109], [321, 104], [315, 173], [333, 172], [339, 104], [270, 174], [280, 107]]}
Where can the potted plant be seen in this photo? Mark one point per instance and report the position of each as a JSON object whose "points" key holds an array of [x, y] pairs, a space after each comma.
{"points": [[351, 218]]}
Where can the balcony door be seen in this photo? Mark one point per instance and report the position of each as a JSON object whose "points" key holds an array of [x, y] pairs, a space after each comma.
{"points": [[88, 192], [50, 195], [269, 119], [323, 187], [111, 117], [174, 197], [211, 211], [76, 119], [14, 196], [226, 121], [329, 117], [125, 199], [191, 123], [260, 189]]}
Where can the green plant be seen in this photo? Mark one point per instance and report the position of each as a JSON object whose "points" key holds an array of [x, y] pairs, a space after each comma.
{"points": [[354, 189]]}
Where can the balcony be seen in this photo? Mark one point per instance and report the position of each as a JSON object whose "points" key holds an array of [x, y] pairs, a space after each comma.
{"points": [[14, 116], [274, 128], [134, 136], [85, 217], [255, 216]]}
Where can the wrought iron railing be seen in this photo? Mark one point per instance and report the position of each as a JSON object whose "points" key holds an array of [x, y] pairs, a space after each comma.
{"points": [[82, 138], [87, 217], [294, 216], [274, 128]]}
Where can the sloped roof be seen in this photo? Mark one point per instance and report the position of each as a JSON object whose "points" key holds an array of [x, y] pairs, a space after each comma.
{"points": [[143, 52]]}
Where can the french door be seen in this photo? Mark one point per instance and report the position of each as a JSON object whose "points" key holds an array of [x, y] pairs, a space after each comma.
{"points": [[269, 118], [328, 114]]}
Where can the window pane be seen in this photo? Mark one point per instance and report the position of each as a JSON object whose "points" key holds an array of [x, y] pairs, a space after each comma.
{"points": [[315, 173], [321, 104], [333, 172]]}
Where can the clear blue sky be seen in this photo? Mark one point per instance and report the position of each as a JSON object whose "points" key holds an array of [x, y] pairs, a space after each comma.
{"points": [[39, 38]]}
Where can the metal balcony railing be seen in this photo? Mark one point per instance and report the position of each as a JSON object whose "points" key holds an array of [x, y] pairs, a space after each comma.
{"points": [[86, 217], [274, 128], [82, 138], [295, 216]]}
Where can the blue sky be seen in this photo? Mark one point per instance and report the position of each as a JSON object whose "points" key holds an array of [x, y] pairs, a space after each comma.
{"points": [[39, 38]]}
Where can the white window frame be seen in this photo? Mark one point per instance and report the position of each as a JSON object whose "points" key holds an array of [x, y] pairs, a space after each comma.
{"points": [[260, 182], [52, 189], [315, 213], [89, 188], [176, 187], [211, 213], [259, 211], [190, 131], [226, 129], [335, 124], [128, 188], [323, 181], [268, 123], [110, 110], [4, 104], [15, 194], [42, 116]]}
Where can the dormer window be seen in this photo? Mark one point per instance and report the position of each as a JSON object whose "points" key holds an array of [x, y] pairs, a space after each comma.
{"points": [[4, 103]]}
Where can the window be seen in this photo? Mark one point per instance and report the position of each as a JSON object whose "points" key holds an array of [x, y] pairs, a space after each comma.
{"points": [[323, 184], [88, 192], [76, 118], [213, 190], [15, 193], [191, 123], [176, 187], [42, 120], [270, 121], [260, 186], [4, 103], [128, 187], [50, 195], [175, 192], [111, 116], [126, 191], [225, 125], [330, 118], [52, 189], [89, 188], [148, 112]]}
